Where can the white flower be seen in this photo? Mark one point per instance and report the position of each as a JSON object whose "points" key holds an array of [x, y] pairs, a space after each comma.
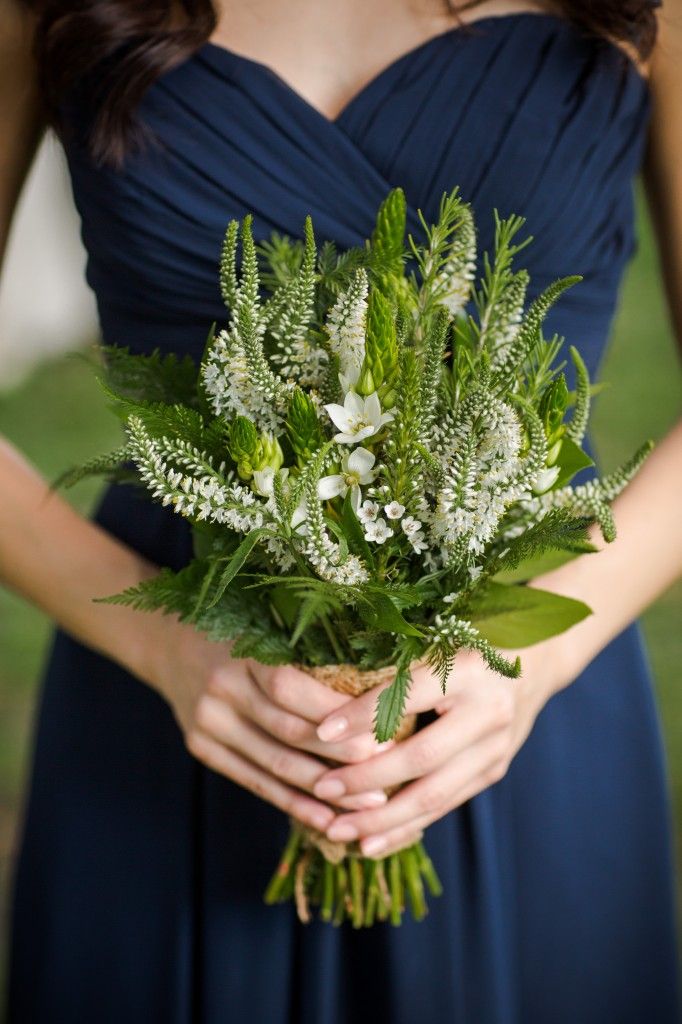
{"points": [[394, 510], [356, 469], [418, 542], [264, 481], [475, 571], [357, 418], [410, 525], [545, 479], [298, 519], [368, 512], [378, 531], [449, 598]]}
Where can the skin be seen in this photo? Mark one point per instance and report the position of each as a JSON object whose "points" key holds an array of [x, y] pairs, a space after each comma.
{"points": [[274, 732]]}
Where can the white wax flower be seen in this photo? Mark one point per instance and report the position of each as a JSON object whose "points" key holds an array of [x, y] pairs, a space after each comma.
{"points": [[368, 511], [378, 531], [394, 510]]}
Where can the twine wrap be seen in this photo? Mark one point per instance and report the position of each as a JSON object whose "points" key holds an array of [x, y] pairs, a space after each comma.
{"points": [[352, 681]]}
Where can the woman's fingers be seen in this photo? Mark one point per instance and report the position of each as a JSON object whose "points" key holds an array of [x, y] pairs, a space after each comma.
{"points": [[391, 842], [295, 691], [227, 762], [425, 751], [430, 797], [244, 694], [226, 726], [221, 723], [357, 715]]}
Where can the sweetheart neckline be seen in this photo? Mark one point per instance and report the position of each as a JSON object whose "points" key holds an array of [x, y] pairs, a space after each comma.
{"points": [[222, 52]]}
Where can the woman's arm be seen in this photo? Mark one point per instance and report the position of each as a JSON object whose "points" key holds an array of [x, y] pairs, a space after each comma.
{"points": [[485, 719], [252, 724]]}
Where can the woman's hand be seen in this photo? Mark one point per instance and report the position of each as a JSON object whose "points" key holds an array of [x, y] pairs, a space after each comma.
{"points": [[256, 724], [484, 720]]}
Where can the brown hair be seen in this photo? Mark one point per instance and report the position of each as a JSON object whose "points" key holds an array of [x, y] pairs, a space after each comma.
{"points": [[119, 47]]}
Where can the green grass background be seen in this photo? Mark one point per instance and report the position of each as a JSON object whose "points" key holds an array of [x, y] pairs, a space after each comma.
{"points": [[58, 417]]}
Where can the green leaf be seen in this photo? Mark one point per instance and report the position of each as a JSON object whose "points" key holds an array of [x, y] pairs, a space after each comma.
{"points": [[156, 377], [391, 705], [237, 561], [518, 616], [355, 534], [378, 610], [536, 565], [571, 459]]}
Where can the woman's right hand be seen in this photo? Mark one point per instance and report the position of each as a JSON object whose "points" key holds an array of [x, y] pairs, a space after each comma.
{"points": [[256, 724]]}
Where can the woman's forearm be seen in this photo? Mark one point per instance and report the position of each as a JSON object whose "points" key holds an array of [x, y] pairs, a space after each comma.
{"points": [[645, 559], [60, 561]]}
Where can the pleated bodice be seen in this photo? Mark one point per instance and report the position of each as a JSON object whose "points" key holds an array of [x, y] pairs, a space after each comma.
{"points": [[523, 112]]}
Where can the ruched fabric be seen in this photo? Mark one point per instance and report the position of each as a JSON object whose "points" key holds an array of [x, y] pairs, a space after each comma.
{"points": [[138, 892]]}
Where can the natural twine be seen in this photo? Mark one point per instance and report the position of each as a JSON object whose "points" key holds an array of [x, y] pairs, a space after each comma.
{"points": [[352, 681]]}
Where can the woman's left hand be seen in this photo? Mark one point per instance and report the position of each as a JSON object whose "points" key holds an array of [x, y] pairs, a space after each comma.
{"points": [[484, 720]]}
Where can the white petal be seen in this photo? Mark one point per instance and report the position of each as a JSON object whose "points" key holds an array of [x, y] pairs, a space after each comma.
{"points": [[353, 404], [355, 498], [372, 409], [338, 415], [360, 462], [331, 487]]}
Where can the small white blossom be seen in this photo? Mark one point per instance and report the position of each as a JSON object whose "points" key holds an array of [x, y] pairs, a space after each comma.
{"points": [[418, 542], [410, 525], [378, 531], [368, 511], [357, 418], [394, 510], [450, 598]]}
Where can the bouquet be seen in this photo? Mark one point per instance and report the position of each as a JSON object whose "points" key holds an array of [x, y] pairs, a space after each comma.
{"points": [[375, 456]]}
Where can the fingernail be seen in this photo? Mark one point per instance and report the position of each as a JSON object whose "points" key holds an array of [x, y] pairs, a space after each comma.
{"points": [[332, 728], [342, 831], [373, 845], [320, 820], [361, 801], [329, 789], [386, 745]]}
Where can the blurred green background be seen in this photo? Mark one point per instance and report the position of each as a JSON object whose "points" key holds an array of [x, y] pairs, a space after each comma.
{"points": [[58, 417]]}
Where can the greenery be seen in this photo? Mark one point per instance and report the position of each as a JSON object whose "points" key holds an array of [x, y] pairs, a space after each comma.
{"points": [[60, 416]]}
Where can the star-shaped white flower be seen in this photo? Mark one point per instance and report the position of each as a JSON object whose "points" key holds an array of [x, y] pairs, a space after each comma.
{"points": [[394, 510], [357, 418], [356, 469], [410, 525], [368, 512], [378, 532]]}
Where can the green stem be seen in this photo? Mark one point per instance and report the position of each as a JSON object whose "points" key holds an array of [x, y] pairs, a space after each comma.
{"points": [[333, 640], [341, 887], [413, 881], [428, 871], [273, 893], [327, 892], [356, 891], [371, 891], [395, 884]]}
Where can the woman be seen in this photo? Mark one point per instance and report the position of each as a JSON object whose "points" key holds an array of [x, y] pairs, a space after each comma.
{"points": [[162, 767]]}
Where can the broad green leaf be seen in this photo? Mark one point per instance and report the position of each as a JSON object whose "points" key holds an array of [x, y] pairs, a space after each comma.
{"points": [[571, 460], [378, 611], [536, 565], [518, 616]]}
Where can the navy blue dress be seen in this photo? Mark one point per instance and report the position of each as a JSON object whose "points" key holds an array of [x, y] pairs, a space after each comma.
{"points": [[138, 894]]}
